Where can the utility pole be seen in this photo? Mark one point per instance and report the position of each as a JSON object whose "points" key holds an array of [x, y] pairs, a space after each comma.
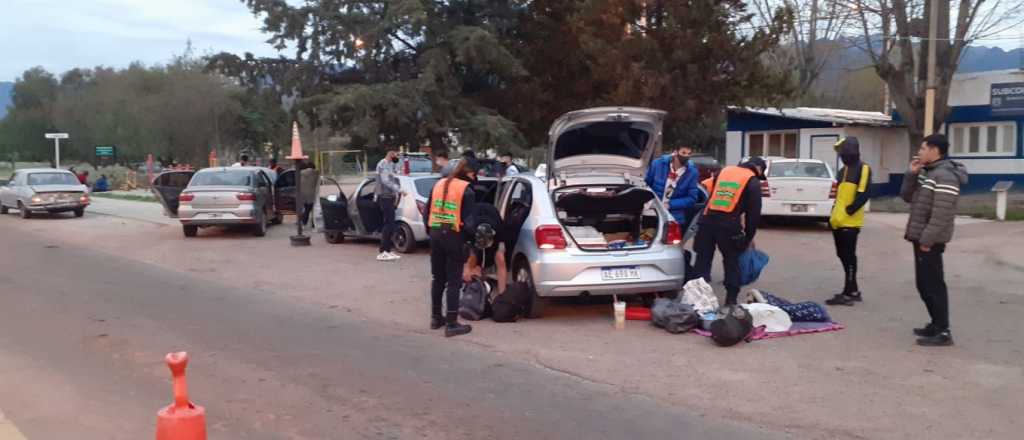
{"points": [[929, 97]]}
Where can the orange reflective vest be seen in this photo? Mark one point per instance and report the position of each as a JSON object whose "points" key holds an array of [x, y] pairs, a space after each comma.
{"points": [[728, 189], [446, 206]]}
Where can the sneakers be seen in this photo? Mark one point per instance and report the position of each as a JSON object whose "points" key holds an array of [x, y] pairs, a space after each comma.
{"points": [[457, 329], [387, 256], [436, 322], [941, 339], [926, 331], [395, 256], [844, 299]]}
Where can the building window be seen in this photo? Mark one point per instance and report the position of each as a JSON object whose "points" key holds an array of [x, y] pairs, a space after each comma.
{"points": [[983, 139], [776, 143]]}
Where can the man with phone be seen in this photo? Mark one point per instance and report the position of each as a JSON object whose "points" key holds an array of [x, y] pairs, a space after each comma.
{"points": [[932, 187]]}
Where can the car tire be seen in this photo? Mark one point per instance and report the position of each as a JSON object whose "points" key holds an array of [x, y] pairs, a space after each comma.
{"points": [[25, 213], [260, 228], [4, 209], [190, 230], [79, 212], [521, 273], [334, 237], [403, 239]]}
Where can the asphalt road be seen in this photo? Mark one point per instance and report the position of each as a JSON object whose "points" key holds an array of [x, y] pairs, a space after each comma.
{"points": [[83, 334]]}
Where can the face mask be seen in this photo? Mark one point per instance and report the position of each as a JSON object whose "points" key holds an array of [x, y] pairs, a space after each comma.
{"points": [[683, 160], [849, 159], [394, 159]]}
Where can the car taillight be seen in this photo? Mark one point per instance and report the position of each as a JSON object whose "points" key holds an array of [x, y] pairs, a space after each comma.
{"points": [[766, 191], [422, 207], [83, 199], [832, 192], [245, 197], [186, 198], [549, 237], [673, 233]]}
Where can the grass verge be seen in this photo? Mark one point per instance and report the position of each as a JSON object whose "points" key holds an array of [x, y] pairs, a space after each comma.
{"points": [[129, 197]]}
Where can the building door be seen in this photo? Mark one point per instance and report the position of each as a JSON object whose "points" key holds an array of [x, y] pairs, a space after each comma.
{"points": [[823, 149]]}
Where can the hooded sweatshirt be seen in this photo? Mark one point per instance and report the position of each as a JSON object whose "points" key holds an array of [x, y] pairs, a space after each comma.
{"points": [[853, 187], [933, 193]]}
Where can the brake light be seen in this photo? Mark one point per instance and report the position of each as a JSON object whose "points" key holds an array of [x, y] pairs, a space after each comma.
{"points": [[245, 197], [83, 199], [832, 192], [766, 191], [186, 198], [549, 237], [673, 233], [422, 207]]}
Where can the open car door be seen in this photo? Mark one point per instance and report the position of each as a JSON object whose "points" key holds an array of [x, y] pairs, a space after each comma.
{"points": [[366, 208], [285, 192], [167, 187]]}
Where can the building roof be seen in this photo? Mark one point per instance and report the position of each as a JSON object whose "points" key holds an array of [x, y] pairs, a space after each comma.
{"points": [[830, 115]]}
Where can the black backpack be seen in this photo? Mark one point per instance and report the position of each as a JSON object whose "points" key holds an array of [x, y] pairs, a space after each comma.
{"points": [[510, 305], [473, 303]]}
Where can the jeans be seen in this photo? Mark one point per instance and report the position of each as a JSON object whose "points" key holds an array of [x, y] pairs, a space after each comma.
{"points": [[307, 210], [931, 284], [387, 230], [447, 257], [846, 250], [723, 236]]}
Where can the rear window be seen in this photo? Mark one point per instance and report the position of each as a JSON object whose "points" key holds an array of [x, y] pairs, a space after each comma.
{"points": [[223, 178], [798, 169], [52, 179], [627, 139], [426, 185], [420, 165]]}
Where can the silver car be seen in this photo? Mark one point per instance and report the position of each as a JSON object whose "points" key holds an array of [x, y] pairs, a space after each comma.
{"points": [[362, 218], [40, 190], [591, 226], [222, 196]]}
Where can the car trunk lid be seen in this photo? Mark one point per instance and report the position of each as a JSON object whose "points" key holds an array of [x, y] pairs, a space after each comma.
{"points": [[215, 197], [604, 141]]}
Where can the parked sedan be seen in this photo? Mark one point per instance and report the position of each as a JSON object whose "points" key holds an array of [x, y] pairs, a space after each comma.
{"points": [[798, 188], [222, 196], [39, 190], [591, 226]]}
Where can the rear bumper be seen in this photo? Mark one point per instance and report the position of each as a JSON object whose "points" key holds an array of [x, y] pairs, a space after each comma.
{"points": [[242, 215], [561, 273], [785, 208]]}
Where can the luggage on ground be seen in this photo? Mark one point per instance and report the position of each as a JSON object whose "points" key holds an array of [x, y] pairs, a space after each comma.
{"points": [[733, 324], [806, 311], [473, 304], [510, 305], [700, 295], [674, 316]]}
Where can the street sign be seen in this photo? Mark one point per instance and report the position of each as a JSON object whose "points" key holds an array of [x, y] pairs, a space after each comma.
{"points": [[1008, 99], [106, 151], [56, 135], [1002, 186]]}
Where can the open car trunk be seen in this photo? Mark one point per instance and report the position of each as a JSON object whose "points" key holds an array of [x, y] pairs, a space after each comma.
{"points": [[608, 217]]}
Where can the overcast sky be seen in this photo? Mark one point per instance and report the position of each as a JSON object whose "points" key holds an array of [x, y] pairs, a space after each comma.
{"points": [[62, 34]]}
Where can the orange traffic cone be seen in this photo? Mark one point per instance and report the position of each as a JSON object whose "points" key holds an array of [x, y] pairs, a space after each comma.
{"points": [[180, 420], [296, 144]]}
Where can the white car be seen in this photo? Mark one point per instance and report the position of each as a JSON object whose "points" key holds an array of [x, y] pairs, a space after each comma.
{"points": [[798, 188], [44, 190]]}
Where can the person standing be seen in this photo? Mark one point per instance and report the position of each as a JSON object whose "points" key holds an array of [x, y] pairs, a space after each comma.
{"points": [[847, 217], [243, 161], [510, 167], [310, 180], [674, 179], [387, 192], [450, 207], [730, 221], [443, 163], [932, 187]]}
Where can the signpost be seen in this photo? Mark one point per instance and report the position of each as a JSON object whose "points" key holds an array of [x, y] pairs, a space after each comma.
{"points": [[106, 151], [1008, 99], [1001, 188], [56, 146]]}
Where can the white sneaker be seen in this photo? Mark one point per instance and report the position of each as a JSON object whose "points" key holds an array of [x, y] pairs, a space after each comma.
{"points": [[383, 256], [394, 256]]}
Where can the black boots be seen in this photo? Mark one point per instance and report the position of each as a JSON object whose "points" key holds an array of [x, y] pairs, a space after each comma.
{"points": [[454, 328], [436, 322], [941, 338], [844, 299]]}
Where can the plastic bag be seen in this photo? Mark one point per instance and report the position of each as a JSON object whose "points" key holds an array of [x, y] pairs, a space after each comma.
{"points": [[772, 318], [752, 262], [674, 316], [699, 294]]}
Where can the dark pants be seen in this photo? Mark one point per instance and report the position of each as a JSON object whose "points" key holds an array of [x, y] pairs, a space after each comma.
{"points": [[724, 237], [387, 230], [447, 257], [931, 284], [846, 249], [307, 210]]}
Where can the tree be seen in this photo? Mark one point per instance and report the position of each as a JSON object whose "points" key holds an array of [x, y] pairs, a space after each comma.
{"points": [[30, 117], [889, 28]]}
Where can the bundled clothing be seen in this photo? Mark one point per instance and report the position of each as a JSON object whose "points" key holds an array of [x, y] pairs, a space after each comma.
{"points": [[678, 187], [933, 194]]}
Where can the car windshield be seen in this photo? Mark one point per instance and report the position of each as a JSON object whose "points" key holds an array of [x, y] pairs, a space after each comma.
{"points": [[52, 179], [420, 165], [614, 138], [425, 185], [222, 178], [798, 169]]}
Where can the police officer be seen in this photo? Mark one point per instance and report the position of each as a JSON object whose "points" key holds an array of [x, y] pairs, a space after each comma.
{"points": [[848, 216], [730, 221], [449, 208]]}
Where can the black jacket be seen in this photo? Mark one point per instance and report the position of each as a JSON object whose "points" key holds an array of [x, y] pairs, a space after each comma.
{"points": [[749, 206]]}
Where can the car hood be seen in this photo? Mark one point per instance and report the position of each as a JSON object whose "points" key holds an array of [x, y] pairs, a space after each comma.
{"points": [[604, 140], [59, 188]]}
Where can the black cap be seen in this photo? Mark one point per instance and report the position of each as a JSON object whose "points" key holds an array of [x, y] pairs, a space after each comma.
{"points": [[757, 165]]}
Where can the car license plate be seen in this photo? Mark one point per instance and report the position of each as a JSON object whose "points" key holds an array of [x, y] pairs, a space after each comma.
{"points": [[620, 273], [798, 208]]}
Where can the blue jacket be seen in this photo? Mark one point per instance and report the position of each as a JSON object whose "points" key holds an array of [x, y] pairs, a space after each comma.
{"points": [[686, 193]]}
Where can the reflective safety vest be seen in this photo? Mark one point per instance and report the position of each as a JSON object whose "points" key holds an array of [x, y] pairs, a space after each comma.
{"points": [[729, 186], [446, 207], [846, 193]]}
